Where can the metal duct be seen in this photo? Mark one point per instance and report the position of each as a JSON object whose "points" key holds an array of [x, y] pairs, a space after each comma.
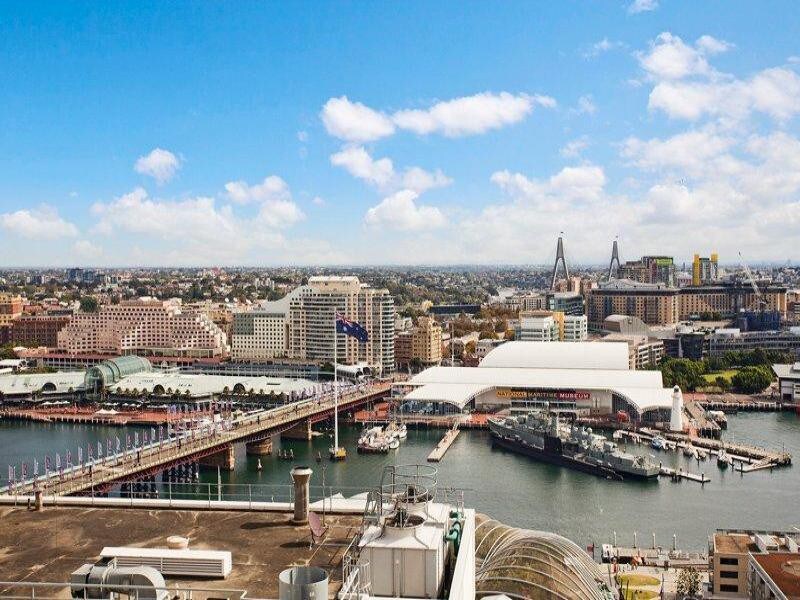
{"points": [[99, 581]]}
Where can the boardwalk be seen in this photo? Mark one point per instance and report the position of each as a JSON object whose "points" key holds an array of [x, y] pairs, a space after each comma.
{"points": [[194, 445], [444, 445]]}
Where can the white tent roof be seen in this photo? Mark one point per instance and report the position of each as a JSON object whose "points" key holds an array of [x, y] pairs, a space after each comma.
{"points": [[558, 355]]}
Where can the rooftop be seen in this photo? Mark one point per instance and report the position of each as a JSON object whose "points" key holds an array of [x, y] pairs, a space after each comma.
{"points": [[733, 543], [557, 355], [58, 541], [784, 570]]}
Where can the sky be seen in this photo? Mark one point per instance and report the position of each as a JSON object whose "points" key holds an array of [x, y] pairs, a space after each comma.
{"points": [[302, 133]]}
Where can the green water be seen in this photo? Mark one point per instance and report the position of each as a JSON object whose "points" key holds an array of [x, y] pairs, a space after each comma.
{"points": [[518, 490]]}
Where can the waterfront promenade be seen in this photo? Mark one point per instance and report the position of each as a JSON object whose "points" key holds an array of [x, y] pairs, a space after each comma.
{"points": [[210, 442]]}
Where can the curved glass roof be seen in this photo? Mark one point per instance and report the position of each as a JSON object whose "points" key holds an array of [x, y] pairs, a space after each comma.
{"points": [[522, 563], [111, 371]]}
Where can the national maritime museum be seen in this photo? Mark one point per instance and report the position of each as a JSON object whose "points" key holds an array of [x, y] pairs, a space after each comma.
{"points": [[581, 378]]}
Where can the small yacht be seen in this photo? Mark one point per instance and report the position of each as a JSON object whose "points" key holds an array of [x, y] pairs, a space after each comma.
{"points": [[659, 443]]}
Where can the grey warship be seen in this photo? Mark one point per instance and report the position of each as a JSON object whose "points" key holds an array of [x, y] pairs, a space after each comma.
{"points": [[541, 436]]}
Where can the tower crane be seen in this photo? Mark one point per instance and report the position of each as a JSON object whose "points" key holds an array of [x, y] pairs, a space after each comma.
{"points": [[759, 297]]}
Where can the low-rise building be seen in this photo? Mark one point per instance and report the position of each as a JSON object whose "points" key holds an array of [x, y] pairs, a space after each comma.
{"points": [[550, 326], [788, 381], [643, 351]]}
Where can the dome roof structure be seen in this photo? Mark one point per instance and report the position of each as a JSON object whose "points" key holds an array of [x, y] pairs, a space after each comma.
{"points": [[535, 565]]}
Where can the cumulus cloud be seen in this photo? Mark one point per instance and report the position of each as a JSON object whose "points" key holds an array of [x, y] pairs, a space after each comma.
{"points": [[470, 115], [382, 174], [272, 188], [467, 115], [159, 164], [573, 148], [355, 122], [586, 105], [639, 6], [584, 182], [86, 250], [712, 45], [401, 211], [601, 47], [668, 57], [43, 223]]}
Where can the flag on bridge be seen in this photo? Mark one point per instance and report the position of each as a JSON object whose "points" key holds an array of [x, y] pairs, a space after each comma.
{"points": [[351, 328]]}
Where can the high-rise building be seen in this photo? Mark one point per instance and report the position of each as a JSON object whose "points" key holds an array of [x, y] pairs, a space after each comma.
{"points": [[705, 270], [311, 325], [10, 308], [422, 343], [147, 326], [262, 333], [650, 269]]}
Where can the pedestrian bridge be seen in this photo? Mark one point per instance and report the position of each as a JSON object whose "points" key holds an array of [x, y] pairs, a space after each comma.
{"points": [[212, 443]]}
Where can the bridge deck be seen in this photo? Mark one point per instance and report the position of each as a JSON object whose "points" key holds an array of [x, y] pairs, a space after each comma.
{"points": [[195, 444]]}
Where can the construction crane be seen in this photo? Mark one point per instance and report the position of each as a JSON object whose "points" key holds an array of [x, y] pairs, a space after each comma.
{"points": [[759, 298]]}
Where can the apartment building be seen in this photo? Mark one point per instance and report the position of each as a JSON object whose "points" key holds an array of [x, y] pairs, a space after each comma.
{"points": [[311, 326], [10, 308], [728, 299], [38, 330], [423, 343], [655, 304], [146, 326], [550, 326], [643, 351]]}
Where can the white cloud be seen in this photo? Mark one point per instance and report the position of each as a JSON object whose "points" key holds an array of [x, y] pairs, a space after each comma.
{"points": [[638, 6], [302, 136], [573, 148], [160, 164], [43, 223], [470, 115], [318, 201], [774, 92], [357, 161], [381, 172], [280, 213], [584, 183], [355, 122], [400, 211], [601, 47], [712, 45], [691, 153], [86, 250], [586, 105], [670, 58], [272, 188]]}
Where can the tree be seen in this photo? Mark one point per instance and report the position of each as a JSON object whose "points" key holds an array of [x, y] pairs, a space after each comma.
{"points": [[688, 582], [752, 380], [722, 383], [686, 374], [89, 304]]}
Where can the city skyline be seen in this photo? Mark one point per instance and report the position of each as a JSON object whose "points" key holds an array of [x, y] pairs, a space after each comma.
{"points": [[149, 135]]}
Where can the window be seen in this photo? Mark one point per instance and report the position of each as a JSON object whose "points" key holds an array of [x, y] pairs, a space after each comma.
{"points": [[728, 588], [729, 574], [728, 561]]}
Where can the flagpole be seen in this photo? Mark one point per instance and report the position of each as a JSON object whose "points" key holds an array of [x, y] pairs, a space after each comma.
{"points": [[335, 390]]}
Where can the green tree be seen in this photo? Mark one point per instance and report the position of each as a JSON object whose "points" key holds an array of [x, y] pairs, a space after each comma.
{"points": [[686, 374], [752, 380], [688, 582], [722, 383], [89, 304]]}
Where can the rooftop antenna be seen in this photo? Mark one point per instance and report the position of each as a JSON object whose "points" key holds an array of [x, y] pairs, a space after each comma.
{"points": [[559, 257], [613, 271]]}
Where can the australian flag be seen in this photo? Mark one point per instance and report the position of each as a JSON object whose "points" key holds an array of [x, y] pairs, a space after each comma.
{"points": [[351, 328]]}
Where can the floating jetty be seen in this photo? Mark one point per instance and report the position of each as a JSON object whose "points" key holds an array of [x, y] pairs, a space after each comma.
{"points": [[444, 445], [751, 458], [678, 474]]}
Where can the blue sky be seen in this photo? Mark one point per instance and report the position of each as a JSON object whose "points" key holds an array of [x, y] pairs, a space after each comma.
{"points": [[362, 133]]}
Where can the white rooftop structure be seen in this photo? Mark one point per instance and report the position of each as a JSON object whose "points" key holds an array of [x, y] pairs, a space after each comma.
{"points": [[47, 383], [198, 386], [598, 373], [560, 355]]}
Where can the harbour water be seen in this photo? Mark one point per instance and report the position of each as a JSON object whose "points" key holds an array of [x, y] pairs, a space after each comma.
{"points": [[518, 490]]}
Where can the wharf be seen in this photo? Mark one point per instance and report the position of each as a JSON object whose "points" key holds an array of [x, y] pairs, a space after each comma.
{"points": [[678, 474], [752, 458], [700, 420], [149, 418], [654, 557], [382, 415], [444, 445]]}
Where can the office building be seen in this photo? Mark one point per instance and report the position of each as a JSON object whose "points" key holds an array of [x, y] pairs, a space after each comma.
{"points": [[705, 270], [421, 344], [262, 333], [10, 308], [311, 327], [147, 326], [734, 340]]}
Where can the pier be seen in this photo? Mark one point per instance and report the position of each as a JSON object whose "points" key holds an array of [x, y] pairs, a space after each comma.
{"points": [[678, 474], [211, 445], [444, 444]]}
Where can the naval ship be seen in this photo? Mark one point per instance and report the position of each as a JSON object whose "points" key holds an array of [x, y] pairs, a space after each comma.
{"points": [[542, 437]]}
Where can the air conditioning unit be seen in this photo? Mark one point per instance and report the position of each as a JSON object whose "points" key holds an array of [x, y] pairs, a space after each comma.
{"points": [[181, 563]]}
